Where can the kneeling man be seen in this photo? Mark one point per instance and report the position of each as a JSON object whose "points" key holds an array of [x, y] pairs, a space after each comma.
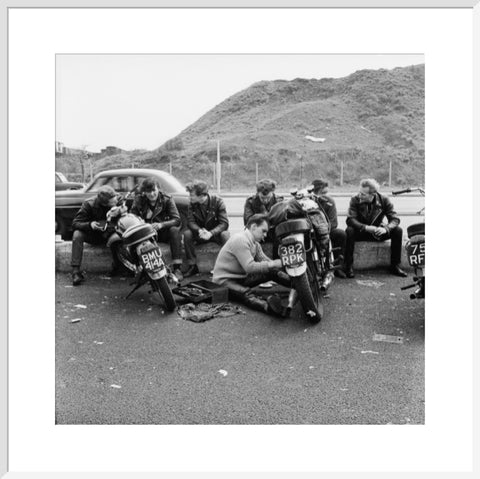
{"points": [[242, 264]]}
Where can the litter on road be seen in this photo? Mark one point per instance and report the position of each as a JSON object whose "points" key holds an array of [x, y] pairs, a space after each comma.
{"points": [[369, 352], [115, 386], [387, 338], [371, 283], [80, 306], [98, 342], [75, 320], [223, 372]]}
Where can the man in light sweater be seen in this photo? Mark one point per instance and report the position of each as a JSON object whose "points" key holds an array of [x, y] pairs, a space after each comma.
{"points": [[242, 264]]}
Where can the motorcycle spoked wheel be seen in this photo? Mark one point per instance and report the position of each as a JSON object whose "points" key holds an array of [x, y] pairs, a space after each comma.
{"points": [[162, 288], [126, 259], [309, 294]]}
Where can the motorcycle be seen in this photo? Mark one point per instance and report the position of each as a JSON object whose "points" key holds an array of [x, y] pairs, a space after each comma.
{"points": [[140, 253], [305, 250], [415, 249]]}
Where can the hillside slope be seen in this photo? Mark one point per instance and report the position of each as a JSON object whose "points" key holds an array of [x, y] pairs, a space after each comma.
{"points": [[367, 119]]}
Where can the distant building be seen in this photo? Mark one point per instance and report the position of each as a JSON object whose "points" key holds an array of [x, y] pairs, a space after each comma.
{"points": [[59, 148], [110, 150]]}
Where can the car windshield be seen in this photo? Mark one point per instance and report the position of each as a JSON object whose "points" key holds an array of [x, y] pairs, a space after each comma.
{"points": [[60, 177], [123, 184], [118, 183]]}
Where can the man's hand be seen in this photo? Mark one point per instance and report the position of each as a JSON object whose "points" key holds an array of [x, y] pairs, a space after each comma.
{"points": [[206, 235], [275, 264], [379, 231], [95, 225], [157, 226]]}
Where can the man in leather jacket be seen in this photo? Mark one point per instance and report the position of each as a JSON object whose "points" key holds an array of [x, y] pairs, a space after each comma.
{"points": [[89, 226], [365, 217], [338, 236], [262, 201], [207, 220], [159, 209]]}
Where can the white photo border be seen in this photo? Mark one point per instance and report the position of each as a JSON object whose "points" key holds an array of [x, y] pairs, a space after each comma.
{"points": [[7, 177]]}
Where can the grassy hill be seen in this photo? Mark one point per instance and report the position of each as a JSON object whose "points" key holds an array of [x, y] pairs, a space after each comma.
{"points": [[367, 119]]}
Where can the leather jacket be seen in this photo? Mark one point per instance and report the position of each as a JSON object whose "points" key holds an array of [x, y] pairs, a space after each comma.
{"points": [[372, 214], [211, 215], [254, 205], [165, 210]]}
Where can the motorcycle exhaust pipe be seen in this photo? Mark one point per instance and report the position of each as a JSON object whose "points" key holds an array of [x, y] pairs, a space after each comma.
{"points": [[327, 281]]}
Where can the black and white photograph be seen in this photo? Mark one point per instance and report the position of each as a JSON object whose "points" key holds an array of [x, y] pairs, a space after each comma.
{"points": [[240, 239], [237, 279]]}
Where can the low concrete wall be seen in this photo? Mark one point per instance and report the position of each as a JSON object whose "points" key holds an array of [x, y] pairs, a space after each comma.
{"points": [[97, 259]]}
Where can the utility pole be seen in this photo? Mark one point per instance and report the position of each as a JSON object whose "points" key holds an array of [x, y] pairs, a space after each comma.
{"points": [[256, 172], [341, 173], [301, 171], [91, 167], [390, 175], [219, 167]]}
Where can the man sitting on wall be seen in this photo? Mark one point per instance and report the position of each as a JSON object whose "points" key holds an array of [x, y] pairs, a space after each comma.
{"points": [[338, 236], [207, 221], [159, 209], [242, 264], [89, 226], [262, 201], [365, 223]]}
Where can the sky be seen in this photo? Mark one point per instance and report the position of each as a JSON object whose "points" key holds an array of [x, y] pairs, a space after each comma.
{"points": [[141, 101]]}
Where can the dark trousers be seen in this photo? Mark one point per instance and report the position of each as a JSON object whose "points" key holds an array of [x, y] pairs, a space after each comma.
{"points": [[354, 235], [93, 238], [338, 237], [172, 236], [240, 289], [190, 238]]}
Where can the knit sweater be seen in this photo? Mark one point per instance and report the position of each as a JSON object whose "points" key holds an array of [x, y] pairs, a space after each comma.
{"points": [[240, 255]]}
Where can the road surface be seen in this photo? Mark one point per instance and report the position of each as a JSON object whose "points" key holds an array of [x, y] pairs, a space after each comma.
{"points": [[126, 362]]}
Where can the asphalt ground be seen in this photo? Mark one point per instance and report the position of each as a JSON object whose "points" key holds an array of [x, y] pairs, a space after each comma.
{"points": [[129, 362]]}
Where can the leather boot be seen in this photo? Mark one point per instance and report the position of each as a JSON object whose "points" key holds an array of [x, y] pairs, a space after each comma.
{"points": [[255, 302]]}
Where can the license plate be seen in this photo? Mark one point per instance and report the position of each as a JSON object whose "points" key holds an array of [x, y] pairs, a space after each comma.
{"points": [[292, 255], [416, 254], [152, 260]]}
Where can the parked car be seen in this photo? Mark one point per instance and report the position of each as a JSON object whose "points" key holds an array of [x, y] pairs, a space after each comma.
{"points": [[61, 183], [68, 202]]}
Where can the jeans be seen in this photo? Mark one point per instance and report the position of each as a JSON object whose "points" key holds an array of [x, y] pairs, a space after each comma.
{"points": [[190, 238], [93, 238], [354, 235], [173, 237], [338, 237], [240, 289]]}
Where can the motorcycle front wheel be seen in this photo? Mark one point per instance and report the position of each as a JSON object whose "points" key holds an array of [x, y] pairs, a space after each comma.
{"points": [[309, 295], [161, 287]]}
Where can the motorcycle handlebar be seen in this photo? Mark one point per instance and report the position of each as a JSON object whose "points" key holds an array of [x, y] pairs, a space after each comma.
{"points": [[400, 192]]}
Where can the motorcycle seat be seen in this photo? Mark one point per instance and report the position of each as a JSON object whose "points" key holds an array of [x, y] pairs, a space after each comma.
{"points": [[138, 233], [416, 229], [300, 225]]}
